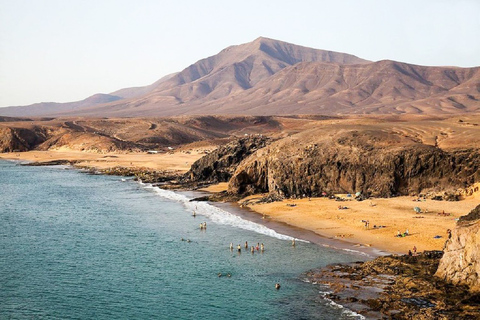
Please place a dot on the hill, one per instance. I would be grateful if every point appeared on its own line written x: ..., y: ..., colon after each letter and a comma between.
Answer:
x: 271, y: 77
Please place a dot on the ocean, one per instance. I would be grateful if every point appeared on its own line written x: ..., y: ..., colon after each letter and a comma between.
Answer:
x: 80, y: 246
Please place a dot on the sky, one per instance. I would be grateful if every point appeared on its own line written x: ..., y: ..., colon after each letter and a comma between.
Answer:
x: 62, y: 51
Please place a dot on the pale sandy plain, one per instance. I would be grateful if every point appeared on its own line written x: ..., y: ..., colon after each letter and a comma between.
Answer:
x: 320, y: 215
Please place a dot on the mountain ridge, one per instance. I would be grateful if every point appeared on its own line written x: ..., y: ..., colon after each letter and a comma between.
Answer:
x: 271, y: 77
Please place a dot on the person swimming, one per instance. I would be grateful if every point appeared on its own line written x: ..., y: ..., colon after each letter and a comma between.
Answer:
x: 253, y: 249
x: 262, y: 247
x: 239, y: 248
x: 231, y: 246
x: 293, y: 242
x: 246, y: 244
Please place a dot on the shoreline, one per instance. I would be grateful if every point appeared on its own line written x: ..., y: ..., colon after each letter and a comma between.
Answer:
x: 317, y: 219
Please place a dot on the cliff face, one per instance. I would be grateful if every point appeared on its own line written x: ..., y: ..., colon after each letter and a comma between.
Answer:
x: 372, y: 162
x: 219, y: 165
x: 20, y: 139
x: 461, y: 259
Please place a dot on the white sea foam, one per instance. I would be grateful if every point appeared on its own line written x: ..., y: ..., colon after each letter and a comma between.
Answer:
x: 217, y: 215
x: 345, y: 311
x: 357, y: 252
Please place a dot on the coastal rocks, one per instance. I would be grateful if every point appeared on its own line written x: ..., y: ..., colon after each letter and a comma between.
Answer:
x: 370, y: 162
x: 397, y: 287
x: 219, y: 165
x: 461, y: 261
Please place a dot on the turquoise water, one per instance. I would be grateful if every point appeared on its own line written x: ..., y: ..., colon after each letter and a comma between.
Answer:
x: 80, y: 246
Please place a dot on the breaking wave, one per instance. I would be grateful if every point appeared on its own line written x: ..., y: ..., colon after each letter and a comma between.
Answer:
x: 217, y: 215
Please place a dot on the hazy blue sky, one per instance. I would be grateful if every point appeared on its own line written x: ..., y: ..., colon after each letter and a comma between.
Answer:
x: 67, y: 50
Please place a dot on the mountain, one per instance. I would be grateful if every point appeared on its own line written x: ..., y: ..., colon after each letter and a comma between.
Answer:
x: 270, y: 77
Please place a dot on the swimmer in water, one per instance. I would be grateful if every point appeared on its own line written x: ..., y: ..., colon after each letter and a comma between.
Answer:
x: 246, y: 245
x: 231, y: 246
x: 293, y: 242
x: 239, y: 248
x: 194, y: 214
x: 253, y: 249
x: 262, y: 247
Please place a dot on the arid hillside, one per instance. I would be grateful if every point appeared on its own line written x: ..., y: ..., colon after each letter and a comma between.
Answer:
x: 124, y: 135
x: 270, y: 77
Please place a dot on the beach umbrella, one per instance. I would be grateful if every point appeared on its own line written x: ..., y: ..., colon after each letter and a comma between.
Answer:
x: 417, y: 209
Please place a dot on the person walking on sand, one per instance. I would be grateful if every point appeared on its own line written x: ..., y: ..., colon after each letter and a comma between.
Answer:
x: 414, y: 250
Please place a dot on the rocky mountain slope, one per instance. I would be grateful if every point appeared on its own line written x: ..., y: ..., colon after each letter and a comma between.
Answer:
x: 460, y: 263
x: 270, y: 77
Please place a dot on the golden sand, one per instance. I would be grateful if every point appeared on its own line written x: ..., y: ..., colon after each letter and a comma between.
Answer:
x: 386, y: 218
x: 175, y: 161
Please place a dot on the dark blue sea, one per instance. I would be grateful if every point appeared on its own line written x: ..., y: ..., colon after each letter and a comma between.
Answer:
x: 80, y: 246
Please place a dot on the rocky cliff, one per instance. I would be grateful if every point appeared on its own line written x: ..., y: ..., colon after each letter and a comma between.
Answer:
x: 219, y: 165
x: 21, y: 139
x: 373, y: 162
x: 461, y: 259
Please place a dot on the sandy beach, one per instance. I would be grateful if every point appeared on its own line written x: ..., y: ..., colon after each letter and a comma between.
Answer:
x: 178, y: 161
x: 386, y: 217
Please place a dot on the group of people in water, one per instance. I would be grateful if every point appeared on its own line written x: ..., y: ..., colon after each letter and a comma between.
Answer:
x: 258, y: 247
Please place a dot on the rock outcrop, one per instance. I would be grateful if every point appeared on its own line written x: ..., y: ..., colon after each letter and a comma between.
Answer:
x: 397, y: 287
x: 377, y: 163
x: 219, y: 165
x: 20, y: 139
x: 461, y: 260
